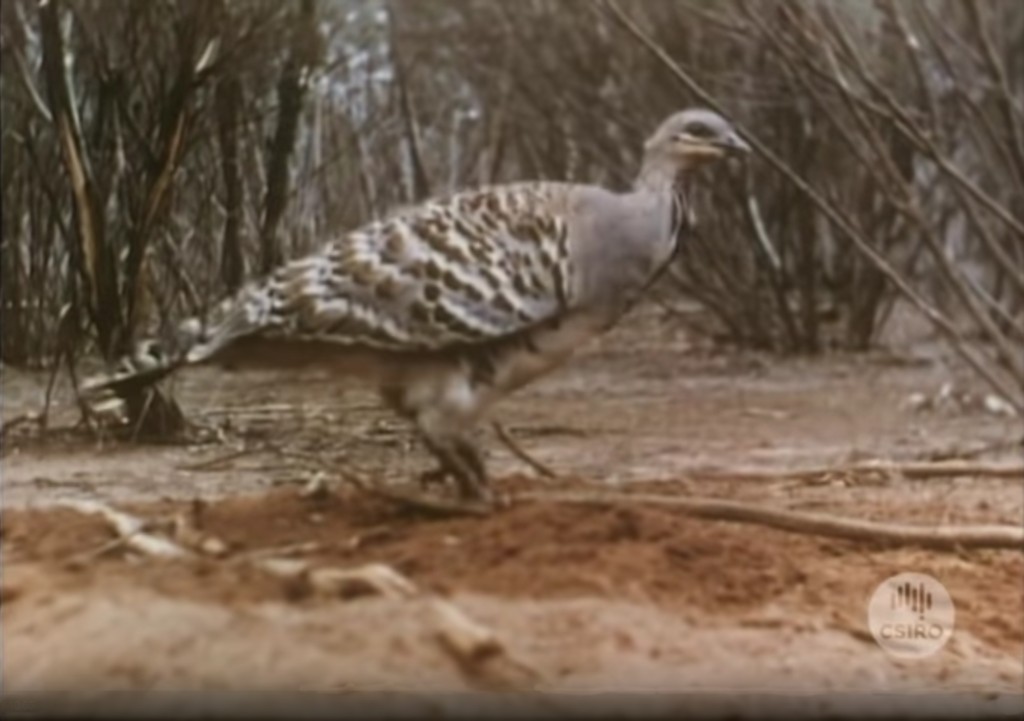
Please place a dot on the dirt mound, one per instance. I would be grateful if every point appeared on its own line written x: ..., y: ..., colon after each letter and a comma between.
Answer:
x: 588, y: 599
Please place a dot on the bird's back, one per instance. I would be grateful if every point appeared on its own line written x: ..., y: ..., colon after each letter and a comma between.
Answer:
x: 476, y: 267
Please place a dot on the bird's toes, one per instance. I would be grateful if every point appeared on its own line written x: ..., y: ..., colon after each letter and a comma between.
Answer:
x: 434, y: 477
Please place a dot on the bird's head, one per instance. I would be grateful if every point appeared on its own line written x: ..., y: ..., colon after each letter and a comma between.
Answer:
x: 692, y: 138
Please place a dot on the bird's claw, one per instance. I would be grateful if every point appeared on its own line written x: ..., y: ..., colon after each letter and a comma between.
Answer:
x: 433, y: 477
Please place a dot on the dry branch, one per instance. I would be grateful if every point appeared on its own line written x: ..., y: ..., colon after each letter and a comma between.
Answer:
x: 304, y: 55
x: 469, y: 641
x: 479, y: 653
x: 505, y: 437
x: 91, y: 250
x: 8, y: 426
x: 938, y: 537
x: 374, y: 578
x: 279, y: 552
x: 215, y: 463
x: 131, y: 529
x: 913, y: 471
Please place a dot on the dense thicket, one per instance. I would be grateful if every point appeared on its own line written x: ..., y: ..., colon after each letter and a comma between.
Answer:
x: 155, y: 153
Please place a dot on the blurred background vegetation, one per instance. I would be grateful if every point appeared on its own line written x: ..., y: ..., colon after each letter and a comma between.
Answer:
x: 157, y: 153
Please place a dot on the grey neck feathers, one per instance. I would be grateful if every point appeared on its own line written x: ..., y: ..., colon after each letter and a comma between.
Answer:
x: 657, y: 175
x: 662, y: 177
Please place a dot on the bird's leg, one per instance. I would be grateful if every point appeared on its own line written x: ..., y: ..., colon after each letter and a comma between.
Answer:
x: 459, y: 458
x: 436, y: 405
x: 472, y: 460
x: 394, y: 398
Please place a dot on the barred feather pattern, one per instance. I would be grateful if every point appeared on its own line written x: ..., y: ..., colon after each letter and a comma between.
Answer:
x: 479, y: 266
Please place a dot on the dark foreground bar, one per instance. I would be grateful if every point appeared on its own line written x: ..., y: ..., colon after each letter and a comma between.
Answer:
x: 298, y: 705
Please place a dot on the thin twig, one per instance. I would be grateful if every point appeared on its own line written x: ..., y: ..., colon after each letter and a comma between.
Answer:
x: 103, y: 549
x: 938, y: 537
x: 505, y: 437
x: 14, y: 423
x: 212, y: 463
x: 285, y: 551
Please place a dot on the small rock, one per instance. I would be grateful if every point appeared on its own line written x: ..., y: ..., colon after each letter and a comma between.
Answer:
x: 213, y: 547
x: 998, y: 406
x: 917, y: 402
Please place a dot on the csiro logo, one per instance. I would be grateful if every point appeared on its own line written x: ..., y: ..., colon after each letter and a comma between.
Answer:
x: 911, y: 615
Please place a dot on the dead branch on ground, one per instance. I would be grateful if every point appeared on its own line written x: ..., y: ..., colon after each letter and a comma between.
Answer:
x: 134, y: 531
x: 213, y: 464
x: 506, y: 438
x: 937, y: 537
x: 14, y: 423
x: 911, y: 471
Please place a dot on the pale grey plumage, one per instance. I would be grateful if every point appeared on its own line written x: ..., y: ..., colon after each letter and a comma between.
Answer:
x: 454, y: 303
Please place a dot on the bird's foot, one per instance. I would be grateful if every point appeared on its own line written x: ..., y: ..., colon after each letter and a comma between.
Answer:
x: 434, y: 477
x: 437, y: 504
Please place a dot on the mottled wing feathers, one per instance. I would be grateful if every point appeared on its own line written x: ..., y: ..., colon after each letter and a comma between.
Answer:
x: 478, y: 266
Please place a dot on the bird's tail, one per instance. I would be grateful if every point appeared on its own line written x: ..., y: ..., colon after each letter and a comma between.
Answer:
x: 194, y: 341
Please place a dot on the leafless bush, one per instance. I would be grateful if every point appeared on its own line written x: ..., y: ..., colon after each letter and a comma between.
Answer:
x: 155, y: 154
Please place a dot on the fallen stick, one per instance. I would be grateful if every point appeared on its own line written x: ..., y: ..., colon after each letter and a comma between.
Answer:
x: 949, y: 469
x: 315, y: 488
x: 912, y: 471
x: 374, y: 578
x: 481, y: 656
x: 10, y: 425
x: 212, y: 463
x: 505, y: 437
x: 962, y: 454
x: 463, y: 637
x: 131, y: 529
x: 278, y: 552
x: 940, y: 537
x: 86, y: 557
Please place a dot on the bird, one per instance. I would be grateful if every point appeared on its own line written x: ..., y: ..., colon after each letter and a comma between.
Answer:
x: 450, y: 305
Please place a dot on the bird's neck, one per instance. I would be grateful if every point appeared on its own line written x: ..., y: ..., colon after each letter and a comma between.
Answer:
x: 668, y: 184
x: 657, y: 175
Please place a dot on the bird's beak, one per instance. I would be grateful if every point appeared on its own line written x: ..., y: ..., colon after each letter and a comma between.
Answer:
x: 734, y: 145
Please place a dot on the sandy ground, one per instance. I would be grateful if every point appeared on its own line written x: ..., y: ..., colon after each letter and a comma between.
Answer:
x: 582, y: 600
